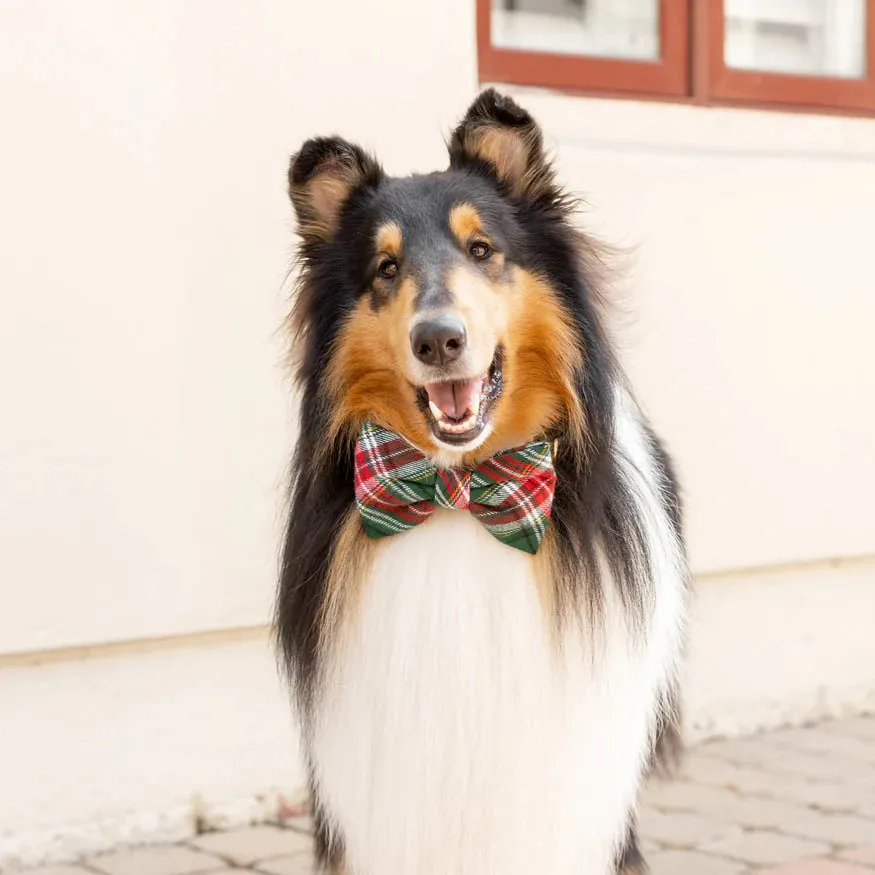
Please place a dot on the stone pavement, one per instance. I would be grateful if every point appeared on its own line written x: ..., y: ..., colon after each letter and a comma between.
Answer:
x: 791, y: 802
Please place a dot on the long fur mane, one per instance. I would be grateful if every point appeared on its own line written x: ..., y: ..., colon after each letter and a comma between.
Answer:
x: 597, y: 533
x: 598, y: 538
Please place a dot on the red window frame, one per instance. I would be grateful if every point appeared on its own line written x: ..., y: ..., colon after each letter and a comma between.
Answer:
x: 728, y: 84
x: 691, y: 67
x: 668, y: 75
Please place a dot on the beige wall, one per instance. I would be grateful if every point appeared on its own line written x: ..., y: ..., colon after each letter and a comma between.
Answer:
x: 753, y: 294
x: 146, y: 237
x: 145, y: 426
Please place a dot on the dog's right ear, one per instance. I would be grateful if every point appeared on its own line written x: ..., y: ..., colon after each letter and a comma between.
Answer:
x: 322, y: 176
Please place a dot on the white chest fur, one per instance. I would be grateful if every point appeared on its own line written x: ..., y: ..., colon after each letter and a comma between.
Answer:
x: 454, y: 736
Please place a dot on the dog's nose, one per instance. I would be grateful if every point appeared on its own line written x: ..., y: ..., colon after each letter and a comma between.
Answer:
x: 438, y: 341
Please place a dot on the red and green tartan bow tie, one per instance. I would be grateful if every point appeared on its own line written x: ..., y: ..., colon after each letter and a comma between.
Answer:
x: 397, y: 488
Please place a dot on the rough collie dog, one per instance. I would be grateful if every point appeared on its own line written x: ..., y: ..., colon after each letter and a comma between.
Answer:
x: 483, y: 582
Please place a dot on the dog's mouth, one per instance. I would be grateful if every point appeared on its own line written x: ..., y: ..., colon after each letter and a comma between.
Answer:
x: 459, y: 411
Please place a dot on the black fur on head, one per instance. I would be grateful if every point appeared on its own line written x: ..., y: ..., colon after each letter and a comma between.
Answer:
x: 339, y: 194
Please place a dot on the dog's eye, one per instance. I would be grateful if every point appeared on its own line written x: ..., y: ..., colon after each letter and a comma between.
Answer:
x: 388, y: 269
x: 479, y: 250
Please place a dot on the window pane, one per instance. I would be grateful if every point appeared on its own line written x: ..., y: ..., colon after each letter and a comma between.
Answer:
x: 599, y: 28
x: 807, y: 37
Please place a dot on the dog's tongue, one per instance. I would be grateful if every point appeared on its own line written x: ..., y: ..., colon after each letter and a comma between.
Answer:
x: 454, y: 398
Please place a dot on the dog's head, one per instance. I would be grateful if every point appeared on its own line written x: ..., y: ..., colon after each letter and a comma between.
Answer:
x: 446, y: 307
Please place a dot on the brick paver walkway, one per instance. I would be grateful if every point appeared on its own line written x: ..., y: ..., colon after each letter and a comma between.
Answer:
x: 792, y: 802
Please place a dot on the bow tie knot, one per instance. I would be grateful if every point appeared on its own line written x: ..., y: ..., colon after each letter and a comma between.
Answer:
x: 452, y: 489
x: 397, y: 488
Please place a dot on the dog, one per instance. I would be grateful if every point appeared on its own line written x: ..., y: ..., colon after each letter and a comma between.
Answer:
x: 483, y: 583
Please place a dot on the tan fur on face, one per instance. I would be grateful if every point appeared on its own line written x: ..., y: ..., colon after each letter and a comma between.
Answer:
x: 482, y: 303
x: 540, y: 349
x: 389, y: 240
x: 541, y: 356
x: 367, y: 379
x: 373, y: 369
x: 467, y: 228
x: 465, y: 223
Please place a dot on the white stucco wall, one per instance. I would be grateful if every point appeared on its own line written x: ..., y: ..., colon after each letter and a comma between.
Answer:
x: 145, y: 428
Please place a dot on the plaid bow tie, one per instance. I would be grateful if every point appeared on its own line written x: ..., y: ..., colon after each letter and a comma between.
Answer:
x: 397, y: 488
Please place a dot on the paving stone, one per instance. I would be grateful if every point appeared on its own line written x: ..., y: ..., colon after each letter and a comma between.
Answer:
x: 156, y: 860
x: 679, y: 829
x: 862, y: 854
x: 764, y: 754
x: 684, y: 796
x: 830, y: 744
x: 817, y: 867
x: 847, y: 770
x: 246, y: 846
x: 858, y: 727
x: 60, y: 870
x: 838, y: 829
x: 828, y: 796
x: 715, y: 772
x: 300, y: 864
x: 691, y: 863
x: 762, y: 848
x: 752, y: 811
x: 749, y: 751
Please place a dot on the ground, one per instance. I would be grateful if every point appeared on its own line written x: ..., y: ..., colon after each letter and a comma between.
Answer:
x: 790, y: 802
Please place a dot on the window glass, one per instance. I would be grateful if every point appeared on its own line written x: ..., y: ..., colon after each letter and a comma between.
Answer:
x: 598, y: 28
x: 803, y: 37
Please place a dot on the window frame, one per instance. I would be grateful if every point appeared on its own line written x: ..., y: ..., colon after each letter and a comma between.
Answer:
x: 766, y: 89
x: 691, y: 68
x: 667, y: 75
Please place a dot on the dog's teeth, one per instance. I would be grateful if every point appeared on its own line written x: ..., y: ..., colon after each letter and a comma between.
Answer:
x: 436, y: 412
x: 458, y: 427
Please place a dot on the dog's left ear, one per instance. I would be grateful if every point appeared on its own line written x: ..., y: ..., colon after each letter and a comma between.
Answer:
x: 499, y: 137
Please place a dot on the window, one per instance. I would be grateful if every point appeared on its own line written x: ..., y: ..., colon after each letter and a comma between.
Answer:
x: 813, y: 54
x: 638, y: 46
x: 794, y: 52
